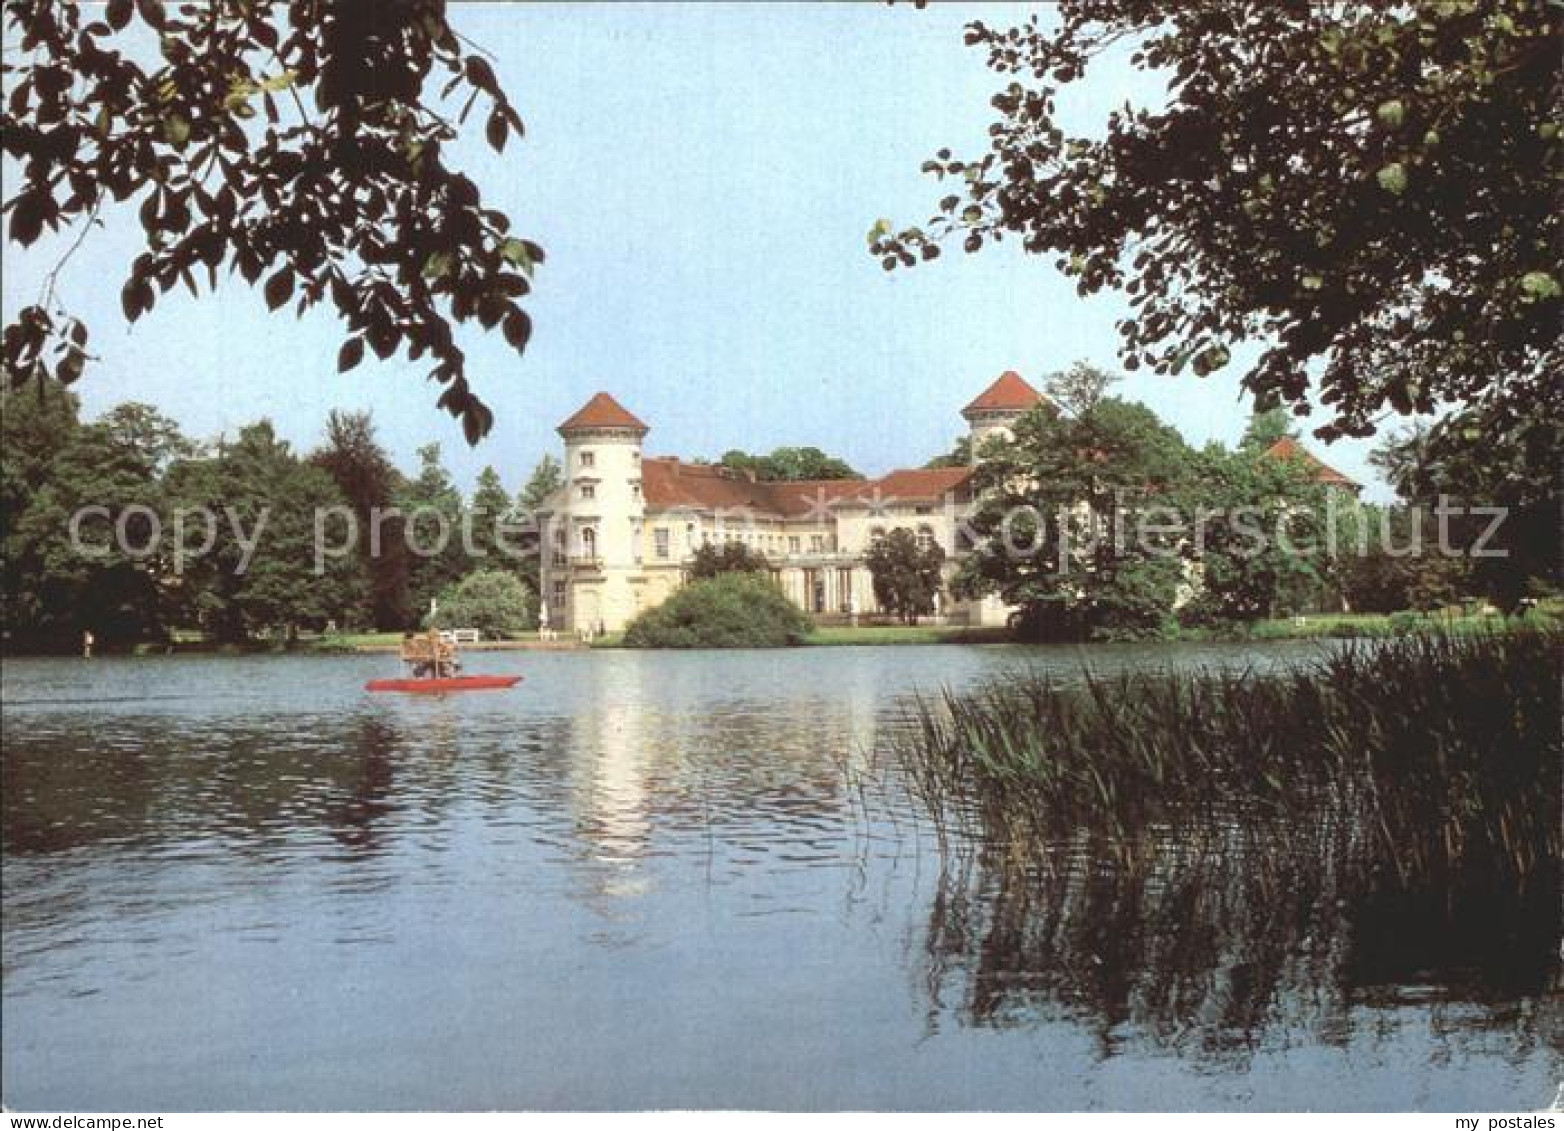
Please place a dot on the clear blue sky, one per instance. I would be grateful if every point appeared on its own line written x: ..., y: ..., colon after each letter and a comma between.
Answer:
x: 702, y: 178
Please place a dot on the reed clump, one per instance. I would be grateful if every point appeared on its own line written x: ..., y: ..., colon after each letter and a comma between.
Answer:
x: 1444, y: 749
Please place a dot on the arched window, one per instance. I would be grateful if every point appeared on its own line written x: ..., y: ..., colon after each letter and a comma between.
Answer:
x: 589, y: 542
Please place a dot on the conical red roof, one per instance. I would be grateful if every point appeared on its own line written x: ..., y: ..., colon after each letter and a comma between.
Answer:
x: 602, y: 411
x: 1288, y: 448
x: 1010, y: 391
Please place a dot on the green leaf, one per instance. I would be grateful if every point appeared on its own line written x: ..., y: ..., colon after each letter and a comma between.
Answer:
x: 1540, y: 284
x: 177, y: 130
x: 1391, y: 114
x: 516, y: 252
x: 1312, y: 282
x: 1393, y: 178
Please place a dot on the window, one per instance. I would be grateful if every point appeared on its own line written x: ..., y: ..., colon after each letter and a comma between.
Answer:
x: 635, y: 489
x: 588, y: 459
x: 635, y: 456
x: 559, y: 547
x: 689, y: 535
x: 923, y: 510
x: 792, y: 544
x: 817, y: 543
x: 660, y: 540
x: 637, y: 536
x: 876, y: 535
x: 559, y: 597
x: 588, y: 542
x: 925, y: 537
x: 588, y: 491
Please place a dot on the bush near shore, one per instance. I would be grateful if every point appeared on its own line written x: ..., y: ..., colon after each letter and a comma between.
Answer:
x: 731, y: 610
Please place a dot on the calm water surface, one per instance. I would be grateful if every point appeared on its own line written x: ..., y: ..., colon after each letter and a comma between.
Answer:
x: 650, y: 881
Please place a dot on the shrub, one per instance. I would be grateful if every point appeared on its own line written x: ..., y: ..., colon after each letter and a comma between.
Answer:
x: 493, y: 601
x: 731, y: 557
x: 733, y: 610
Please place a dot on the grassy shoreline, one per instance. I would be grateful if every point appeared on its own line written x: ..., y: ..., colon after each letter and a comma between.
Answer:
x: 1312, y: 626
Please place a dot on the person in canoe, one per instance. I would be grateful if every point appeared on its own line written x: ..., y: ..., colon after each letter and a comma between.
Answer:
x: 430, y: 656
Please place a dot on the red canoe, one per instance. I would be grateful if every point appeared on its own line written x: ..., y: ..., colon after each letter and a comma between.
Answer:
x: 449, y: 683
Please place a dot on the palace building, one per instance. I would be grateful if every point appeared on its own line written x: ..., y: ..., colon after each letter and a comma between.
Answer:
x: 619, y: 533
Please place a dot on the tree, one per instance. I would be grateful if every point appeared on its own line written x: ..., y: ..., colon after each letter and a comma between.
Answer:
x: 36, y: 424
x: 547, y: 477
x: 1367, y: 190
x: 906, y: 573
x: 259, y: 574
x: 960, y: 454
x: 344, y: 195
x: 494, y: 601
x: 55, y: 588
x: 492, y: 515
x: 1496, y: 461
x: 433, y: 513
x: 710, y: 560
x: 362, y: 470
x: 1261, y: 539
x: 1079, y: 388
x: 1267, y: 428
x: 789, y: 465
x: 1059, y: 531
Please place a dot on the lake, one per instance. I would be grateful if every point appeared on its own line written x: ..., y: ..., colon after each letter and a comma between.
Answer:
x: 669, y: 881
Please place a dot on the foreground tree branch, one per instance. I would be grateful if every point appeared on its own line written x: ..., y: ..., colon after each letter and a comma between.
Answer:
x: 1369, y: 191
x: 350, y: 203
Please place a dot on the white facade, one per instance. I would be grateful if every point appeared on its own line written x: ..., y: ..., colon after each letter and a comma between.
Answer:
x: 617, y: 537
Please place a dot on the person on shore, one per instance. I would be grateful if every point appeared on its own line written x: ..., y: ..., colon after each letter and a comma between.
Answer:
x: 87, y: 641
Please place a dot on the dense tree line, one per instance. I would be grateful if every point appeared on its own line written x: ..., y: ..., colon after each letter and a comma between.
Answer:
x: 126, y: 528
x: 1098, y: 520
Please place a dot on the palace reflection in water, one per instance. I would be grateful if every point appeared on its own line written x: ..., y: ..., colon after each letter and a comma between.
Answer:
x: 647, y: 881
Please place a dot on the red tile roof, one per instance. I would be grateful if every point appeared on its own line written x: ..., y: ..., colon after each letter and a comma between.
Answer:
x: 602, y: 411
x: 668, y: 483
x: 799, y: 498
x: 1288, y: 448
x: 1010, y: 391
x: 923, y: 483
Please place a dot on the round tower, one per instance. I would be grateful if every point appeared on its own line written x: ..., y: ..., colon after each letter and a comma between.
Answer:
x: 603, y: 514
x: 996, y: 409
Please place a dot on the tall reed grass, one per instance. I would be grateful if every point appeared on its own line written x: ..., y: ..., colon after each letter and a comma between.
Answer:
x: 1444, y: 751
